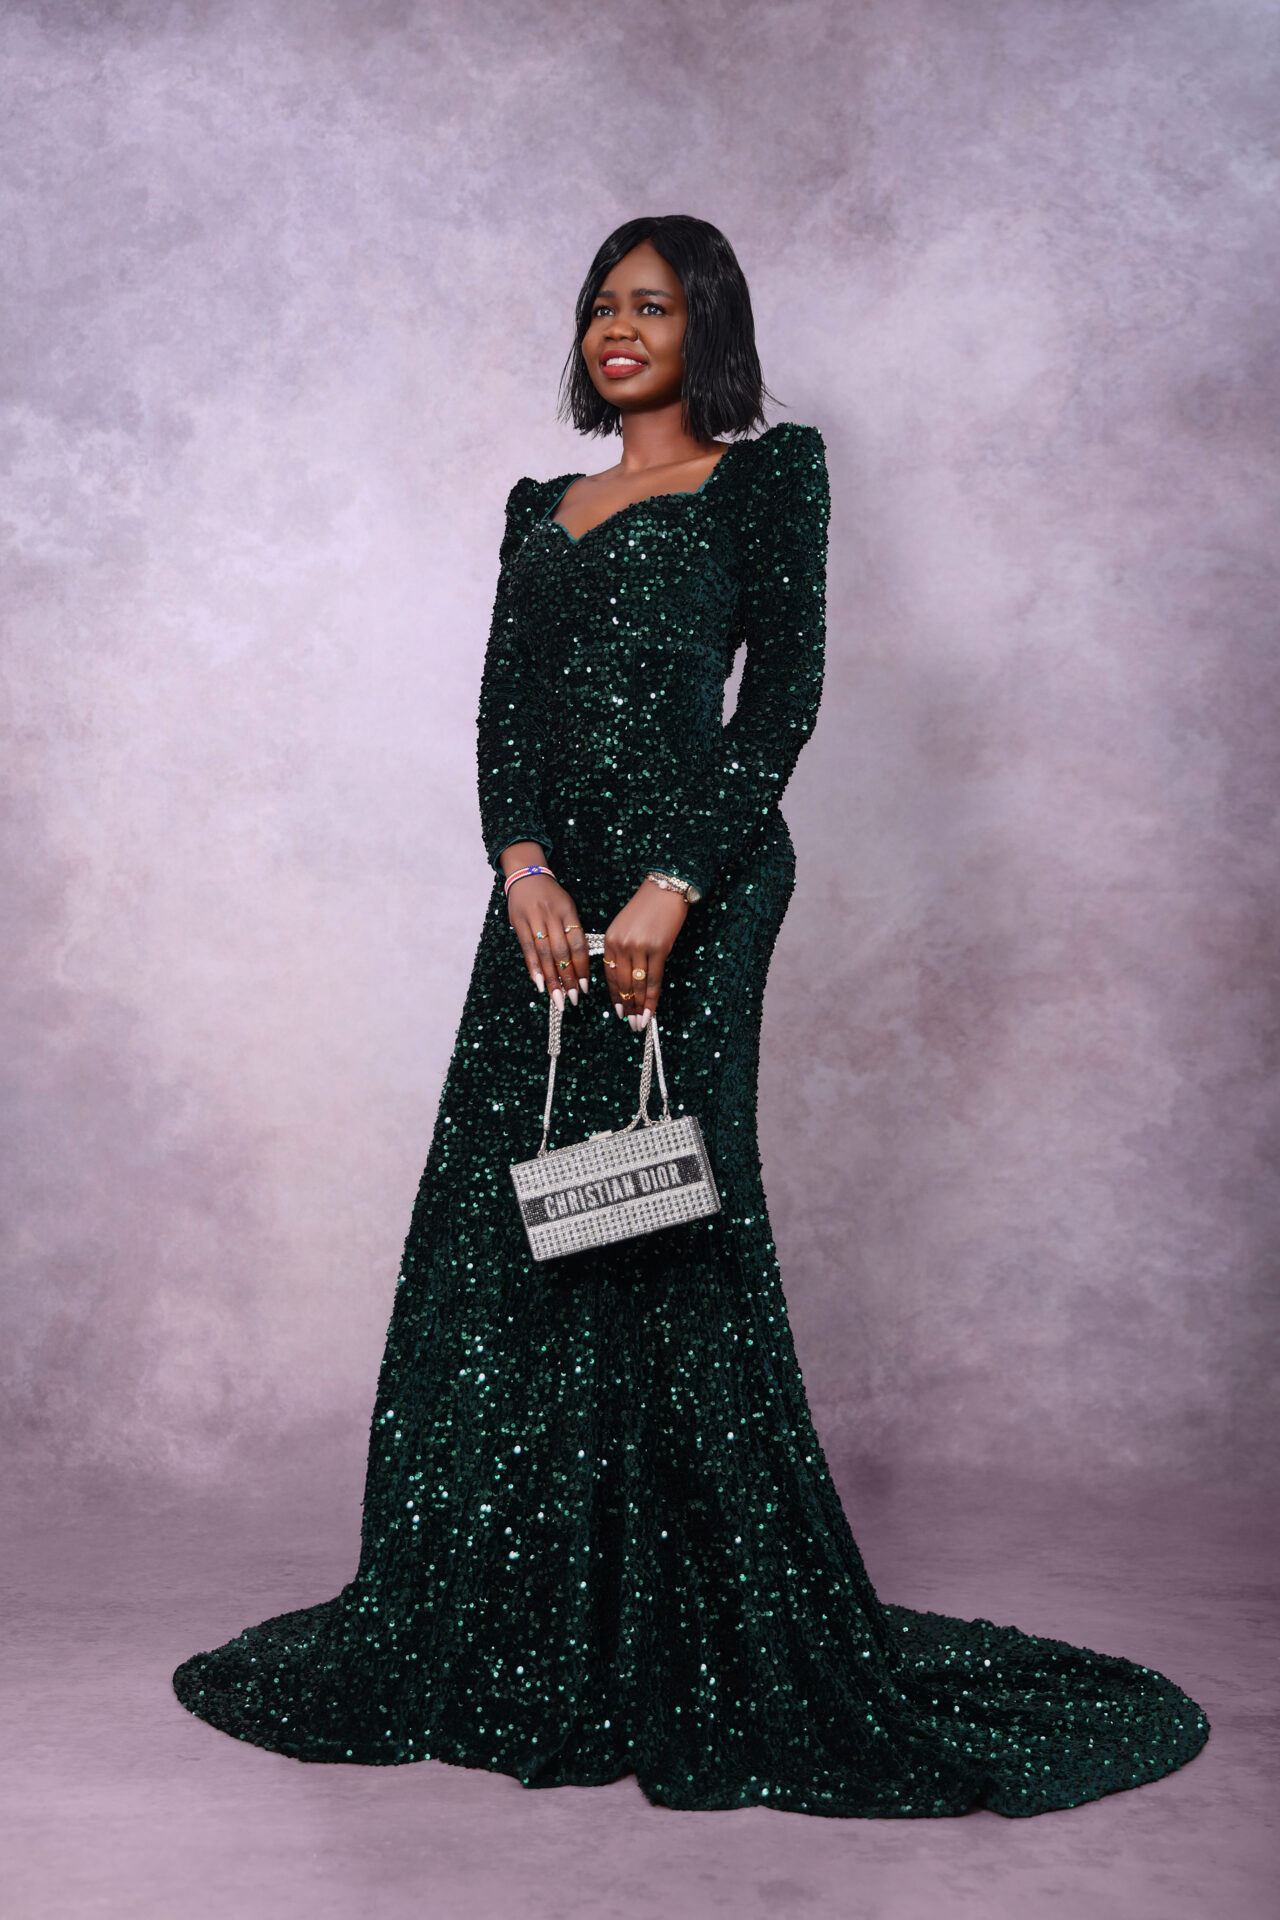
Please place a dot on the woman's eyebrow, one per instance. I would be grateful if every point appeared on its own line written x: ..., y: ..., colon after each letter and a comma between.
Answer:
x: 607, y: 293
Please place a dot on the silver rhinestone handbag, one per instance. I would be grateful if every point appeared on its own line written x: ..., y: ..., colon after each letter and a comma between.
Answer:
x: 614, y: 1186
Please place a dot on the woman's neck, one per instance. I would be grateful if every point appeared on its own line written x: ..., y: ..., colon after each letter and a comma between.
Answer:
x: 656, y: 438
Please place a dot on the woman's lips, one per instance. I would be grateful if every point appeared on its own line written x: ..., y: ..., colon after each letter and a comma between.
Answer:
x: 621, y: 368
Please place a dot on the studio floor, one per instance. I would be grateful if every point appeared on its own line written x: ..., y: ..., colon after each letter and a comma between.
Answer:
x: 116, y: 1803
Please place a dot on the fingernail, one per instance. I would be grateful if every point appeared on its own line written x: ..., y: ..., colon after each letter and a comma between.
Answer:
x: 633, y: 1021
x: 558, y: 996
x: 644, y: 1017
x: 617, y: 1007
x: 573, y: 995
x: 541, y: 983
x: 584, y: 984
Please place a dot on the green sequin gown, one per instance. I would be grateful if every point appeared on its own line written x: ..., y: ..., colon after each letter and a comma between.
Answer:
x: 600, y: 1537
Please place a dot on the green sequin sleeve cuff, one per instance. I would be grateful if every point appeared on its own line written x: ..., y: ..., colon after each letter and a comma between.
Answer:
x: 541, y: 836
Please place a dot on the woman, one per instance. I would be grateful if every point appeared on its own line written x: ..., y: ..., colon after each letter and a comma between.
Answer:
x: 600, y: 1537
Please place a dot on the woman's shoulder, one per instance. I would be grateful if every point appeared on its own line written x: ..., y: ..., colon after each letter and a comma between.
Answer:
x: 789, y: 434
x: 786, y: 456
x: 782, y: 475
x: 528, y: 496
x: 527, y: 502
x: 787, y: 445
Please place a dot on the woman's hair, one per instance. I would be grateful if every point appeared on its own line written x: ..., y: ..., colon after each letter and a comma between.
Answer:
x: 723, y: 389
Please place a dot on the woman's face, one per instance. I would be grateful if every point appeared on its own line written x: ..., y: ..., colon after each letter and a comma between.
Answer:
x: 634, y: 344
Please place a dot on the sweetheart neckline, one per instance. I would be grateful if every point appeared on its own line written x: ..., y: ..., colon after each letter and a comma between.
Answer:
x: 673, y: 493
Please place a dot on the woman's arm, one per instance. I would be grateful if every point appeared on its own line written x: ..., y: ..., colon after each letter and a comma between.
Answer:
x: 510, y: 752
x: 709, y: 825
x: 511, y: 720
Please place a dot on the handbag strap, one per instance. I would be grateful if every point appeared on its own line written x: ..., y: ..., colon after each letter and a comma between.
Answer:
x: 652, y: 1059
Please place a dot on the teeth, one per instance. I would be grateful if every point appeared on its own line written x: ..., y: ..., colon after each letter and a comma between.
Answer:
x: 621, y: 360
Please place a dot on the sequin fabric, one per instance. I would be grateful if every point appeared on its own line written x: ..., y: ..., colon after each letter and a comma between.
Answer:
x: 599, y: 1534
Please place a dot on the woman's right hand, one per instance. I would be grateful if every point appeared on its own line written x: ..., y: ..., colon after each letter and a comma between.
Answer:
x: 538, y: 905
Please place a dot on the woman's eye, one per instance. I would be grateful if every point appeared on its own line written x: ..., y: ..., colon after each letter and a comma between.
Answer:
x: 602, y: 307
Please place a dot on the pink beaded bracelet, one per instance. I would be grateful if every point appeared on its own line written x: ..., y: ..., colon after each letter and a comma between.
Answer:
x: 520, y: 874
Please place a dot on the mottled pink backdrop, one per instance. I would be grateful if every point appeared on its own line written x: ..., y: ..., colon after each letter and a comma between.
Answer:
x: 289, y: 288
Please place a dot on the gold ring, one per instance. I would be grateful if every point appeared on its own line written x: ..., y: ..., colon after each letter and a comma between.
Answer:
x: 562, y: 963
x: 539, y: 936
x: 626, y: 996
x: 575, y: 928
x: 638, y: 973
x: 611, y: 963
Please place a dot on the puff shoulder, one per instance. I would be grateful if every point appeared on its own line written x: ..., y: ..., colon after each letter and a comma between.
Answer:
x: 789, y: 463
x: 524, y: 502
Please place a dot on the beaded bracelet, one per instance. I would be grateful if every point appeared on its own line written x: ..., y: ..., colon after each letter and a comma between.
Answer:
x: 670, y: 883
x: 520, y: 874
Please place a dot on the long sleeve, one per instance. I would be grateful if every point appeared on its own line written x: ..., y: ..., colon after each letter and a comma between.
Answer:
x: 782, y: 620
x: 511, y: 720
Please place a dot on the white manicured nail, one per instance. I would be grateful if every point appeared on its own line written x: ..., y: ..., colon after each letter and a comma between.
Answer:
x: 617, y: 1007
x: 573, y: 995
x: 584, y: 984
x: 540, y: 983
x: 633, y: 1021
x: 557, y: 994
x: 644, y: 1017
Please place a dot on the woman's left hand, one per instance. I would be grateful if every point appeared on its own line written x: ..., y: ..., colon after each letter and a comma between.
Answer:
x: 637, y: 942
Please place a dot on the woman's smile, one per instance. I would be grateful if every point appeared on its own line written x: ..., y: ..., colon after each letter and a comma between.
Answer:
x: 618, y: 365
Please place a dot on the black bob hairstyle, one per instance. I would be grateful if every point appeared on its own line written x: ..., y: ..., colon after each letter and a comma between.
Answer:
x: 723, y: 389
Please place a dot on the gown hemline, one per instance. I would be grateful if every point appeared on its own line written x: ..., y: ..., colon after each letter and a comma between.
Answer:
x: 796, y: 1801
